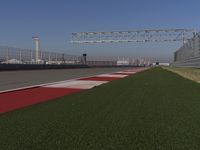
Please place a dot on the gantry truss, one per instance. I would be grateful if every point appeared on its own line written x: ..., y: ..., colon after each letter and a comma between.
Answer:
x: 158, y: 35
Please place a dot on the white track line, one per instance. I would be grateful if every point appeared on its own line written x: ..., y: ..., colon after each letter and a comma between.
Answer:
x: 23, y: 88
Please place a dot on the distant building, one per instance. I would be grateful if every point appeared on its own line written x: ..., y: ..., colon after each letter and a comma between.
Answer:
x: 122, y: 62
x: 161, y: 64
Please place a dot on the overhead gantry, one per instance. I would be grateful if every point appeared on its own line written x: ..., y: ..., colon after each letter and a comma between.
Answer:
x: 157, y: 35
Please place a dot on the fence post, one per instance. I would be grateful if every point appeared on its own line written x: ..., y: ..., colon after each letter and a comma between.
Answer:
x: 49, y: 57
x: 41, y: 55
x: 56, y: 58
x: 20, y: 55
x: 7, y: 55
x: 31, y: 57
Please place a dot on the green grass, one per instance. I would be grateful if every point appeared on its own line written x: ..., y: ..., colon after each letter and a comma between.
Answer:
x: 189, y: 73
x: 152, y: 110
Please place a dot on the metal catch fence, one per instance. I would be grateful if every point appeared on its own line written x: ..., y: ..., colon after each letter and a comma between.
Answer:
x: 10, y: 55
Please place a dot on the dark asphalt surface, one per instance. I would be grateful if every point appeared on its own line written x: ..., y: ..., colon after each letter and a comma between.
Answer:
x: 17, y: 79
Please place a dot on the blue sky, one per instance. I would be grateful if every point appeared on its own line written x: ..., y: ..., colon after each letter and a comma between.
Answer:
x: 55, y: 20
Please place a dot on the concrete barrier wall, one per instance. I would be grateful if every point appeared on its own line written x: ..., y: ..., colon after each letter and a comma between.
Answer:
x: 4, y: 67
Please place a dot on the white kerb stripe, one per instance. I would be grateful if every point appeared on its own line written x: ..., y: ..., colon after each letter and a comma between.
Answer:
x: 126, y: 72
x: 112, y: 75
x: 77, y: 84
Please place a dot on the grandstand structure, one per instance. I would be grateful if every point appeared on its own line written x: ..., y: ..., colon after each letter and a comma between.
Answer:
x: 189, y: 54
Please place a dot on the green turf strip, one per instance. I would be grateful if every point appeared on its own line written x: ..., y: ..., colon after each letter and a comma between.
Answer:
x: 152, y: 110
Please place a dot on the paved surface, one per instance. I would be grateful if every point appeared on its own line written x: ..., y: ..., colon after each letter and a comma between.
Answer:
x: 22, y: 98
x: 17, y: 79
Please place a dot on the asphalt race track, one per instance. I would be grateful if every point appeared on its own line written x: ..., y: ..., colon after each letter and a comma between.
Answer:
x: 17, y: 79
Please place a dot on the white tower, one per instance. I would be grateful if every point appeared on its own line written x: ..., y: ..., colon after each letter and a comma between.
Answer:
x: 37, y: 48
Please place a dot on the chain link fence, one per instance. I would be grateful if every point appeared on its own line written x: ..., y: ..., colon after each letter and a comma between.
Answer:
x: 10, y: 55
x: 189, y: 54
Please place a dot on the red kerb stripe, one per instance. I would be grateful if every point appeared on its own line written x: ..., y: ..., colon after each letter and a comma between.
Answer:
x: 19, y: 99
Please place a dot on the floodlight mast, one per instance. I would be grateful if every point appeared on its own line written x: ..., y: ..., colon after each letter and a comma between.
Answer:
x: 157, y: 35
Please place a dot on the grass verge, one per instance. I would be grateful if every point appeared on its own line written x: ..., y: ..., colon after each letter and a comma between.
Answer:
x: 189, y: 73
x: 155, y: 109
